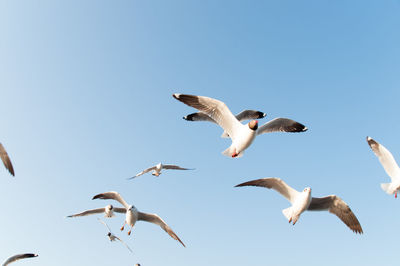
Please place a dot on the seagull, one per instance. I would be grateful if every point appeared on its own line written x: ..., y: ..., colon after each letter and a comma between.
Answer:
x: 390, y: 166
x: 242, y: 135
x: 302, y: 201
x: 157, y: 169
x: 6, y: 160
x: 19, y: 257
x: 242, y: 116
x: 108, y: 212
x: 113, y: 237
x: 133, y: 215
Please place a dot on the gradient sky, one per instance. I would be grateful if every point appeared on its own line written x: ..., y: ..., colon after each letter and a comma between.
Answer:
x: 86, y: 102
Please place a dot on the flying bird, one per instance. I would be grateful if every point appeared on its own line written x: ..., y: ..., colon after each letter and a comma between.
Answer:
x: 108, y: 212
x: 390, y: 166
x: 19, y: 257
x: 113, y: 237
x: 6, y: 160
x: 241, y: 135
x: 133, y: 215
x: 157, y: 169
x: 242, y: 116
x: 302, y: 201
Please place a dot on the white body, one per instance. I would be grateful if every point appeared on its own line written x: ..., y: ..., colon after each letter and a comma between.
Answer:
x: 131, y: 216
x: 108, y: 211
x: 299, y: 205
x: 241, y: 141
x: 157, y: 170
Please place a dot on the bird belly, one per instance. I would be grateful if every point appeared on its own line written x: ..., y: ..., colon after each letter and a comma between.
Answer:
x: 243, y: 141
x: 131, y: 218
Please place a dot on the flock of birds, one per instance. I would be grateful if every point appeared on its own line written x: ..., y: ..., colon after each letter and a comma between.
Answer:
x: 242, y: 136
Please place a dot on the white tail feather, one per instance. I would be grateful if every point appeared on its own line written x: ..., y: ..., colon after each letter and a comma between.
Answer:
x: 225, y: 135
x: 385, y: 187
x: 287, y: 212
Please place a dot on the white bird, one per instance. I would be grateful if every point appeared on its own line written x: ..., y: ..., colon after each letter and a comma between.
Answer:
x: 157, y: 169
x: 241, y: 135
x: 113, y: 237
x: 6, y: 160
x: 108, y: 211
x: 242, y: 116
x: 302, y: 201
x: 133, y: 215
x: 19, y: 257
x: 390, y: 166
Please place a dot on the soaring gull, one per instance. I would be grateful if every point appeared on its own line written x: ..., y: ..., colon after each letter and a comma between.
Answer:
x: 390, y: 166
x: 133, y: 215
x: 108, y: 212
x: 157, y: 169
x: 241, y: 135
x: 302, y: 201
x: 113, y: 237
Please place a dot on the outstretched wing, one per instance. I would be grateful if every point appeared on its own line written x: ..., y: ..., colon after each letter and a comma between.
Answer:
x: 386, y: 158
x: 281, y: 125
x: 250, y: 115
x: 155, y: 219
x: 88, y: 212
x: 112, y: 195
x: 6, y: 160
x: 124, y: 243
x: 19, y: 257
x: 337, y: 206
x: 105, y: 224
x: 216, y: 109
x: 143, y: 172
x: 199, y: 116
x: 276, y: 184
x: 174, y: 167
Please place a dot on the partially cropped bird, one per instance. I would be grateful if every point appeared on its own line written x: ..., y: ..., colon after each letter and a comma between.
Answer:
x: 241, y: 135
x: 6, y: 160
x: 133, y: 215
x: 19, y: 257
x: 113, y: 237
x: 390, y: 166
x: 302, y: 201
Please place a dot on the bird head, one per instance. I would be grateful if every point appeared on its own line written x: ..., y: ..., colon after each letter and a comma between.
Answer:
x: 253, y: 124
x: 307, y: 190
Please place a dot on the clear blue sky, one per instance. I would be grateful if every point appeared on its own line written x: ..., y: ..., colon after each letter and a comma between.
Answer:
x: 86, y: 102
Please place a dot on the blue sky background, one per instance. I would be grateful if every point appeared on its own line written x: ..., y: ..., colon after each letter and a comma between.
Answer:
x: 86, y: 103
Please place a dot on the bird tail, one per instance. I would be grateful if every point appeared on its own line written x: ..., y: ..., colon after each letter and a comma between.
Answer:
x: 231, y: 150
x: 385, y: 187
x: 287, y: 212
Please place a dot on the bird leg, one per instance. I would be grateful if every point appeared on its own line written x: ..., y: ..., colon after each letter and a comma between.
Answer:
x: 129, y: 232
x: 290, y: 219
x: 235, y: 154
x: 122, y: 228
x: 395, y: 194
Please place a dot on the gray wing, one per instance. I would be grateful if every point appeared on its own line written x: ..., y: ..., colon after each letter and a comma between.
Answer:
x: 276, y: 184
x: 6, y: 160
x: 174, y: 167
x: 199, y: 116
x: 155, y: 219
x: 216, y: 109
x: 124, y: 244
x: 18, y: 257
x: 250, y: 115
x: 114, y: 196
x: 281, y: 125
x: 88, y: 212
x: 337, y: 206
x: 143, y: 172
x: 386, y: 158
x: 119, y: 210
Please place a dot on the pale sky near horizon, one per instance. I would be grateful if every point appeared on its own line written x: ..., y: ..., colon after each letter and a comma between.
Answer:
x: 86, y: 102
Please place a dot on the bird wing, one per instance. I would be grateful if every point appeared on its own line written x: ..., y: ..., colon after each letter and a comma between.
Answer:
x: 105, y: 224
x: 199, y: 116
x: 88, y: 212
x: 276, y: 184
x: 386, y: 158
x: 6, y: 160
x: 112, y: 195
x: 216, y: 109
x: 143, y: 172
x: 119, y: 210
x: 123, y: 243
x: 337, y: 206
x: 155, y: 219
x: 175, y: 167
x: 18, y: 257
x: 249, y: 115
x: 281, y: 125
